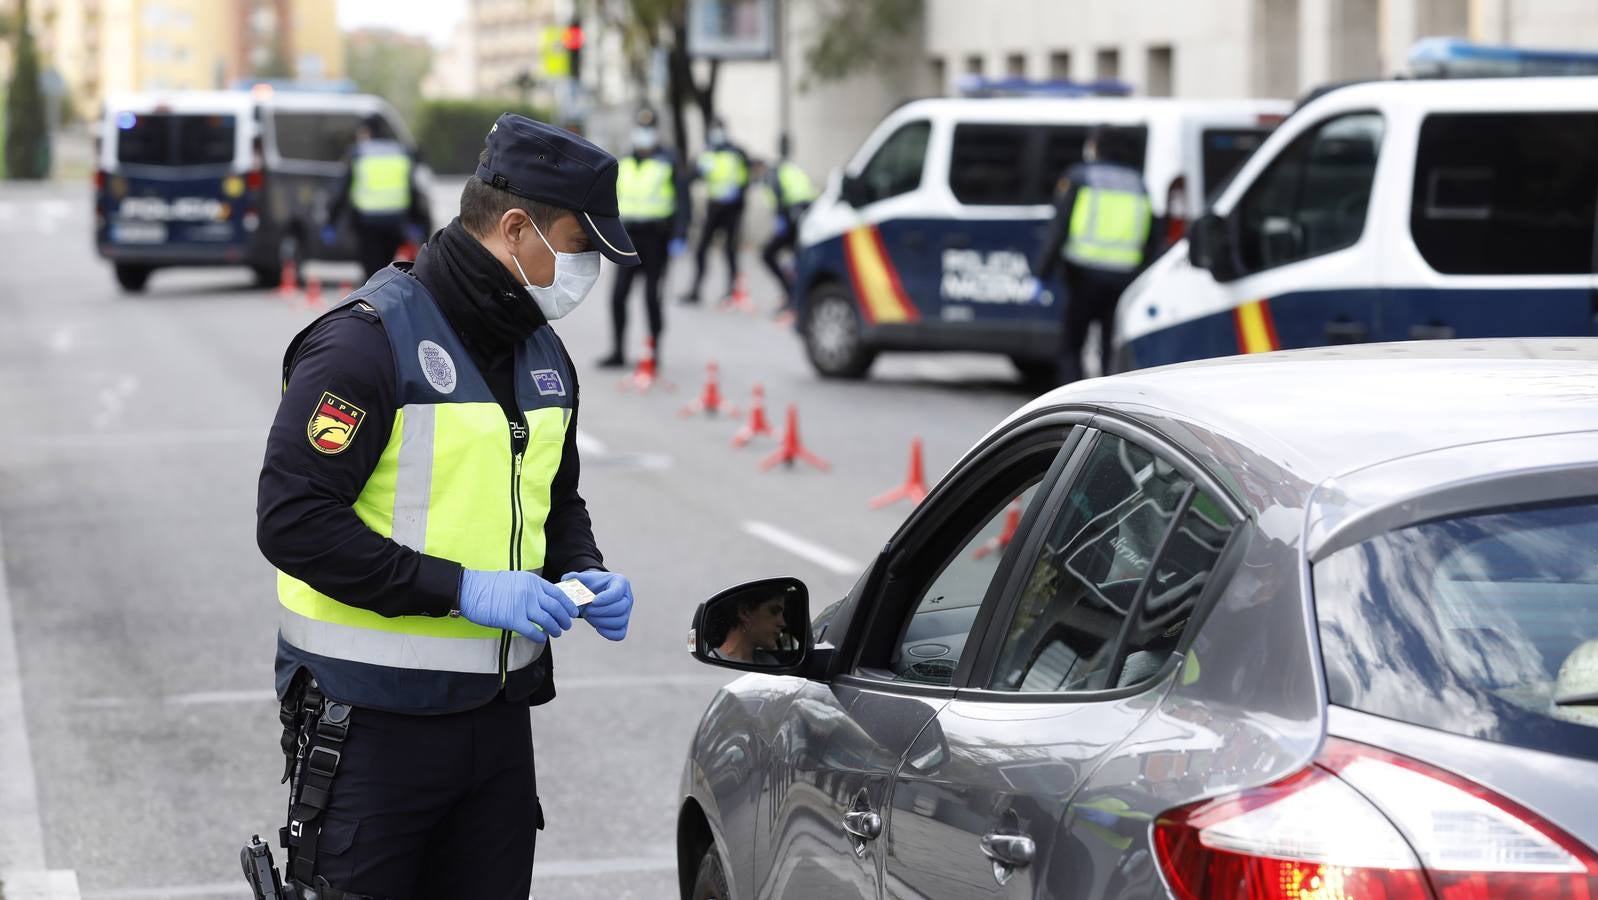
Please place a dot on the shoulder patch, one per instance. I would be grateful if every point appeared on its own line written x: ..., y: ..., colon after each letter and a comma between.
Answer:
x: 333, y: 424
x: 437, y: 366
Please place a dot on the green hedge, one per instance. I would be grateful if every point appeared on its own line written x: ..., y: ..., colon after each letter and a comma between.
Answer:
x: 450, y: 132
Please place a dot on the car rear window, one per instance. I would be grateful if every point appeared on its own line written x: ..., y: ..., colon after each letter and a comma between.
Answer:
x: 1506, y: 193
x: 170, y: 139
x: 320, y: 136
x: 1483, y: 625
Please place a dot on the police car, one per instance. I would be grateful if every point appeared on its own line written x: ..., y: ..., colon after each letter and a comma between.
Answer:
x: 925, y: 241
x: 1393, y: 210
x: 225, y: 178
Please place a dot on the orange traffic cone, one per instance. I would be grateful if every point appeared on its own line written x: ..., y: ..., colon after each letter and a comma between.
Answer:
x: 313, y: 293
x: 710, y: 401
x: 757, y: 424
x: 406, y: 252
x: 914, y: 488
x: 289, y: 284
x: 738, y: 300
x: 995, y: 544
x: 792, y: 450
x: 643, y: 377
x: 345, y: 289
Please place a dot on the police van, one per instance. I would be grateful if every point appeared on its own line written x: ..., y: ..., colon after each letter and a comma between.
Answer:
x: 226, y: 178
x: 925, y: 240
x: 1391, y: 210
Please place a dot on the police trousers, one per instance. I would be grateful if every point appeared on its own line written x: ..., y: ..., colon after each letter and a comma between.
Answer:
x: 434, y: 807
x: 1091, y: 296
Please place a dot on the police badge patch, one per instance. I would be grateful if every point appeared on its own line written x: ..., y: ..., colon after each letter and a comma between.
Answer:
x: 333, y: 424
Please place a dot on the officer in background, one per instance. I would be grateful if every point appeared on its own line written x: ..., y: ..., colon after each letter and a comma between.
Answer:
x: 1102, y: 233
x: 379, y: 193
x: 724, y: 169
x: 417, y: 602
x: 652, y: 195
x: 791, y: 191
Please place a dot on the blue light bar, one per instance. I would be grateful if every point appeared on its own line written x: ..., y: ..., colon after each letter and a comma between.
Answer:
x: 978, y: 86
x: 1455, y: 58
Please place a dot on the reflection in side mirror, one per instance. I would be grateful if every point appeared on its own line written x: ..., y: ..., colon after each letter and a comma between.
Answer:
x: 1206, y: 243
x: 762, y: 626
x: 853, y: 191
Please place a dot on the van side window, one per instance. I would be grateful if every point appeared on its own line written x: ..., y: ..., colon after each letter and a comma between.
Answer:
x: 1313, y: 198
x: 1506, y: 193
x: 321, y: 136
x: 896, y: 167
x: 988, y: 166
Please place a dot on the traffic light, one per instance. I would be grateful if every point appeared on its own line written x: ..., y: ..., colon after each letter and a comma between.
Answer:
x: 572, y: 39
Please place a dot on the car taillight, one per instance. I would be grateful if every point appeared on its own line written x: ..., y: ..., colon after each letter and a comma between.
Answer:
x: 1364, y: 823
x: 1176, y: 214
x: 254, y: 179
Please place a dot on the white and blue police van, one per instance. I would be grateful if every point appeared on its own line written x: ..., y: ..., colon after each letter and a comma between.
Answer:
x: 226, y: 178
x: 926, y: 238
x: 1389, y: 211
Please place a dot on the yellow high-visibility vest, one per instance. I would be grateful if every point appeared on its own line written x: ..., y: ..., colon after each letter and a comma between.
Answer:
x: 381, y: 181
x: 644, y: 189
x: 1109, y: 227
x: 725, y: 173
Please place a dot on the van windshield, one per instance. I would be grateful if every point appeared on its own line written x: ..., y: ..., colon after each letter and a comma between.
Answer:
x: 1484, y: 625
x: 321, y: 136
x: 174, y: 139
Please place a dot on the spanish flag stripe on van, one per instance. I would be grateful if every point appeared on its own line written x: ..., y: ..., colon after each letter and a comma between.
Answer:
x: 1256, y: 333
x: 876, y: 284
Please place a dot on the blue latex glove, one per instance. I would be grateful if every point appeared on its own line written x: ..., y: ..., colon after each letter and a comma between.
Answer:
x: 1037, y: 290
x: 781, y: 228
x: 612, y: 605
x: 329, y: 235
x: 516, y: 601
x: 674, y: 250
x: 414, y: 234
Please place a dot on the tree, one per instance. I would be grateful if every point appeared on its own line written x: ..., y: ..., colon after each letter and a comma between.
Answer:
x: 390, y: 65
x: 853, y: 37
x: 27, y: 137
x: 651, y: 25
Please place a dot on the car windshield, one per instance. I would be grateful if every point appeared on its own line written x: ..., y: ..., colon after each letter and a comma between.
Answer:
x: 168, y: 139
x: 1484, y: 625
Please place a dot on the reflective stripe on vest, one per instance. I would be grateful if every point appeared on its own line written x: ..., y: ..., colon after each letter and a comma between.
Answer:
x: 644, y: 189
x: 725, y: 173
x: 447, y: 484
x: 381, y: 183
x: 795, y: 185
x: 1108, y: 228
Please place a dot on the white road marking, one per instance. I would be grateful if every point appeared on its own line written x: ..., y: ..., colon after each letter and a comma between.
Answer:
x: 21, y: 830
x: 798, y: 546
x: 588, y: 444
x: 211, y: 698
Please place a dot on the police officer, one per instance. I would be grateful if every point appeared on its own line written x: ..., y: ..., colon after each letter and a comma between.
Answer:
x: 791, y: 191
x: 724, y: 169
x: 649, y: 184
x: 379, y: 191
x: 1102, y: 233
x: 419, y: 498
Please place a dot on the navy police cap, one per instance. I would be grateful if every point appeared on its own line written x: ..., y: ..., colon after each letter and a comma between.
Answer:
x: 551, y: 165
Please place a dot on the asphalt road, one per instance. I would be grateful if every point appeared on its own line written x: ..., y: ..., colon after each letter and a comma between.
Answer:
x: 141, y: 616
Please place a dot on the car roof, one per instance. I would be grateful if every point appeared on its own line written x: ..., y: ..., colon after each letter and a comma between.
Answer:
x: 1330, y: 412
x: 1110, y: 110
x: 1487, y: 94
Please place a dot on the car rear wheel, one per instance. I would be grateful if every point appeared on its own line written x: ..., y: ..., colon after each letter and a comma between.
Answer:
x: 711, y: 882
x: 133, y: 278
x: 832, y: 331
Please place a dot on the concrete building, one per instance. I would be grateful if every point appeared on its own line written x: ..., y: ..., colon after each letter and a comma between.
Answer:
x: 1217, y: 48
x: 508, y: 40
x: 453, y: 73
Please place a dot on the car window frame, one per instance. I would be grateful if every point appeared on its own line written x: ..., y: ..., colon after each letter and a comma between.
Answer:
x: 1234, y: 216
x: 991, y: 643
x: 876, y: 153
x: 884, y: 616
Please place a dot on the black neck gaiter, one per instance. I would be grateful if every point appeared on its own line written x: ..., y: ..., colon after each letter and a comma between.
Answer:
x: 488, y: 307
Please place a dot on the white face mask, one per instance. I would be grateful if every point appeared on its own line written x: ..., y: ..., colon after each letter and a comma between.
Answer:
x: 575, y: 274
x: 645, y: 139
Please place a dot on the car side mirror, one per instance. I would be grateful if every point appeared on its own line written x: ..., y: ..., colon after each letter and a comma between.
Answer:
x: 1208, y: 246
x: 761, y: 626
x: 853, y: 191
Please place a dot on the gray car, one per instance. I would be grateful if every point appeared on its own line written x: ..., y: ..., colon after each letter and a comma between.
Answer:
x: 1321, y: 623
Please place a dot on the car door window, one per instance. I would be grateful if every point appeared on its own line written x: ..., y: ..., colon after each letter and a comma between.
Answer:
x: 896, y: 166
x: 1096, y: 556
x: 1313, y: 198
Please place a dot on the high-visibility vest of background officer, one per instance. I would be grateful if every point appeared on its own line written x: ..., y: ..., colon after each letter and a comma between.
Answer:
x: 1110, y: 218
x: 795, y: 190
x: 725, y: 171
x: 645, y: 189
x: 380, y: 179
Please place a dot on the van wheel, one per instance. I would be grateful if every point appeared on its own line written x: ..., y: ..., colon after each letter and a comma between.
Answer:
x: 133, y: 278
x: 832, y: 334
x: 711, y: 882
x: 1038, y: 375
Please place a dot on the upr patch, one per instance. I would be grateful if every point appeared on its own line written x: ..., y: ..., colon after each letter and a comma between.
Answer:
x: 333, y: 424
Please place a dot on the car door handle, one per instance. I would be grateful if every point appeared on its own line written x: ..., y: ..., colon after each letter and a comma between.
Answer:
x: 913, y: 238
x: 1343, y: 331
x: 957, y: 240
x: 863, y: 824
x: 1012, y: 850
x: 1436, y: 331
